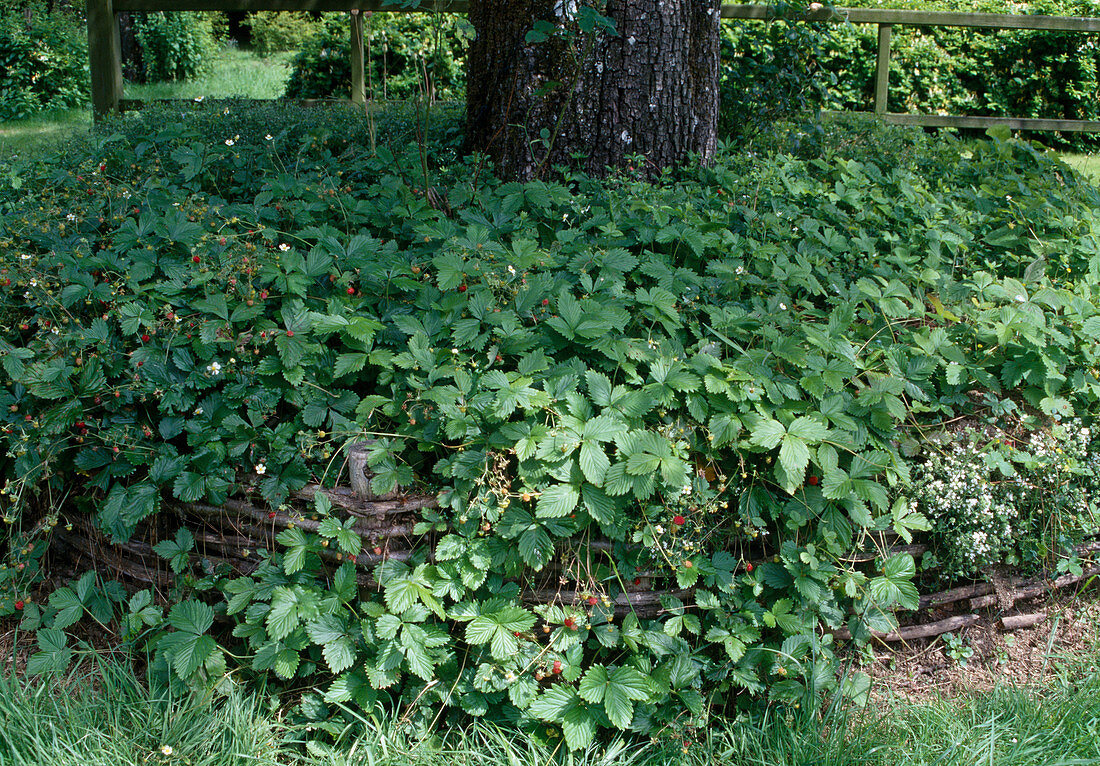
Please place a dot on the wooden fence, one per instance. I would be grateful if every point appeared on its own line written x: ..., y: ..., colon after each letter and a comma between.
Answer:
x: 106, y: 59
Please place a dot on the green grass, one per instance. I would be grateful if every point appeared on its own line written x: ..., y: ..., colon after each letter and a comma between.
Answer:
x: 103, y: 716
x: 234, y: 73
x: 42, y: 130
x: 1089, y: 164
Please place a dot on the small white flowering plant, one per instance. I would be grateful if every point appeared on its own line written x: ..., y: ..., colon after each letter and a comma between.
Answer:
x: 996, y: 500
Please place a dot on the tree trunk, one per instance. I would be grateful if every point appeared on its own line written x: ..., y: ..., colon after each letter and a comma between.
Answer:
x: 649, y: 89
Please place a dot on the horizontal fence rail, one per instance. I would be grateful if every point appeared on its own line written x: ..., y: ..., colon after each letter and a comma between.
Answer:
x: 106, y: 61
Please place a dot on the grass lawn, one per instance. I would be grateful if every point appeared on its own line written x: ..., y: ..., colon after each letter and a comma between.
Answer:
x: 234, y: 73
x: 1089, y: 164
x: 106, y: 717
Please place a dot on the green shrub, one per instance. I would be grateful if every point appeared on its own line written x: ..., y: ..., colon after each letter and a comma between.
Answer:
x: 770, y: 73
x: 942, y: 70
x: 43, y: 61
x: 999, y: 501
x: 716, y: 375
x: 175, y: 46
x: 274, y: 31
x: 399, y: 44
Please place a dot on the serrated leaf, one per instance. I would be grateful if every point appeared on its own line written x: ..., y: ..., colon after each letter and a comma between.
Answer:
x: 339, y: 654
x: 579, y: 728
x: 593, y: 462
x: 557, y: 501
x: 768, y: 434
x: 552, y: 705
x: 794, y: 456
x: 191, y: 617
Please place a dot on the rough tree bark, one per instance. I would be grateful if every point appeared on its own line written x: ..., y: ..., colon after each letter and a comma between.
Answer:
x: 649, y: 90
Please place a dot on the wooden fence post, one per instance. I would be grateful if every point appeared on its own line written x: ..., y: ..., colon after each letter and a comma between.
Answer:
x: 358, y: 79
x: 882, y: 68
x: 104, y: 57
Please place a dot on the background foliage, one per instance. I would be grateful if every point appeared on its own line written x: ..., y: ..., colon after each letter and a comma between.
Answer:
x: 933, y: 70
x: 43, y: 60
x: 403, y: 48
x: 174, y: 46
x: 273, y: 31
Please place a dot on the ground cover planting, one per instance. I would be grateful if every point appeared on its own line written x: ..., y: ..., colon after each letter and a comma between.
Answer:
x: 716, y: 385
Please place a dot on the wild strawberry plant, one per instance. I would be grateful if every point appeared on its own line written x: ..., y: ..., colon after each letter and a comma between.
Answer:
x: 703, y: 385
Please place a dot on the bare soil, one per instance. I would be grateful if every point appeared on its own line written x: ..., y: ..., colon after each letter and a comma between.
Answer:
x: 1063, y: 646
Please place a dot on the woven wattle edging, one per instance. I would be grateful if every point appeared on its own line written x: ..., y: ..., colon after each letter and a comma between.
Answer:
x: 982, y: 595
x: 231, y: 533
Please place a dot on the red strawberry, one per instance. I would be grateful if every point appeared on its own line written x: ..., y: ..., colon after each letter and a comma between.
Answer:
x: 748, y: 567
x: 570, y: 623
x: 462, y: 288
x: 813, y: 480
x: 195, y: 259
x: 290, y: 333
x: 351, y: 291
x: 271, y: 514
x: 678, y: 520
x: 688, y: 564
x: 557, y: 666
x: 144, y: 338
x: 637, y: 580
x: 19, y: 605
x: 545, y: 301
x: 591, y: 600
x: 377, y: 551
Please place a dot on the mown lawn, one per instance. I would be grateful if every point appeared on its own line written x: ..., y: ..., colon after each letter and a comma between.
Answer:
x: 1089, y: 164
x: 235, y: 73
